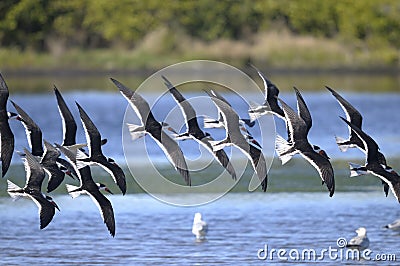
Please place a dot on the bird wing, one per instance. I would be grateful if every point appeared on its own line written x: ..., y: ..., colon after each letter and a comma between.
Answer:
x: 116, y: 173
x: 7, y: 146
x: 324, y: 168
x: 33, y: 132
x: 187, y: 109
x: 259, y: 165
x: 93, y: 136
x: 68, y: 122
x: 370, y: 146
x: 174, y: 154
x: 105, y: 208
x: 34, y: 171
x: 302, y: 109
x: 295, y: 124
x: 352, y: 114
x: 4, y: 93
x: 46, y: 209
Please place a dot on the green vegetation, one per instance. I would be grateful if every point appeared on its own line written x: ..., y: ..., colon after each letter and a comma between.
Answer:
x: 101, y: 34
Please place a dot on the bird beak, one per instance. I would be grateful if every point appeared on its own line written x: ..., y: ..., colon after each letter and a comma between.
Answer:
x: 55, y: 205
x: 68, y: 173
x: 109, y: 191
x: 18, y: 118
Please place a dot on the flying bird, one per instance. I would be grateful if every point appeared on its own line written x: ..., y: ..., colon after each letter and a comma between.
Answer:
x: 209, y: 122
x: 234, y: 137
x: 96, y: 155
x: 354, y: 117
x: 270, y: 105
x: 32, y: 130
x: 51, y: 166
x: 373, y: 165
x: 34, y: 179
x: 193, y: 129
x: 298, y: 131
x: 154, y: 128
x: 89, y: 187
x: 6, y: 135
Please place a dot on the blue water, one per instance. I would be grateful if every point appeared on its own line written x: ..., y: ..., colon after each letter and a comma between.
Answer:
x: 154, y: 233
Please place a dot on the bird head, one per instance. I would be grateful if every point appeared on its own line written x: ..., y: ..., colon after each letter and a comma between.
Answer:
x: 12, y: 115
x: 101, y: 186
x: 321, y: 152
x: 111, y: 160
x: 362, y: 231
x: 197, y: 216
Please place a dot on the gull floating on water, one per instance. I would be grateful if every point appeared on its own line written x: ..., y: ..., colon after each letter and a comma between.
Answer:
x: 394, y: 225
x: 199, y: 228
x: 360, y: 241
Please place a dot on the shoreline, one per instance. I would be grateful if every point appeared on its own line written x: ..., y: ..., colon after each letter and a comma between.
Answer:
x: 73, y: 72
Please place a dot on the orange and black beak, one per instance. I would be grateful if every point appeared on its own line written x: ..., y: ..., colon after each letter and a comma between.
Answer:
x: 55, y: 205
x: 109, y: 191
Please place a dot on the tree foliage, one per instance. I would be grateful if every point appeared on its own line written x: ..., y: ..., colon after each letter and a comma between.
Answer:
x: 102, y: 23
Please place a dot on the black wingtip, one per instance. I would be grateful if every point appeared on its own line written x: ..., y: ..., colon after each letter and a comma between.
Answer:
x: 167, y: 82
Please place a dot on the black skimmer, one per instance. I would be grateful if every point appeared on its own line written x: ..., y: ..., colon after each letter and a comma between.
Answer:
x: 48, y: 157
x: 209, y: 122
x: 51, y: 166
x: 234, y: 137
x: 34, y: 179
x: 373, y: 164
x: 89, y: 187
x: 298, y: 131
x: 270, y: 104
x: 69, y: 133
x: 6, y: 135
x: 354, y: 117
x: 96, y: 155
x: 360, y: 241
x: 154, y: 128
x: 194, y: 131
x: 32, y: 130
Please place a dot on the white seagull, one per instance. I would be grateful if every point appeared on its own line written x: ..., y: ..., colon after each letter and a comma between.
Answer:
x: 199, y: 228
x: 360, y: 241
x: 394, y: 225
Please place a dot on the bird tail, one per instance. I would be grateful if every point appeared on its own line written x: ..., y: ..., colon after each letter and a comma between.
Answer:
x: 356, y: 170
x: 77, y: 146
x: 254, y: 111
x: 73, y: 191
x: 341, y: 143
x: 284, y: 149
x: 11, y: 187
x: 136, y: 131
x: 218, y: 144
x: 209, y: 122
